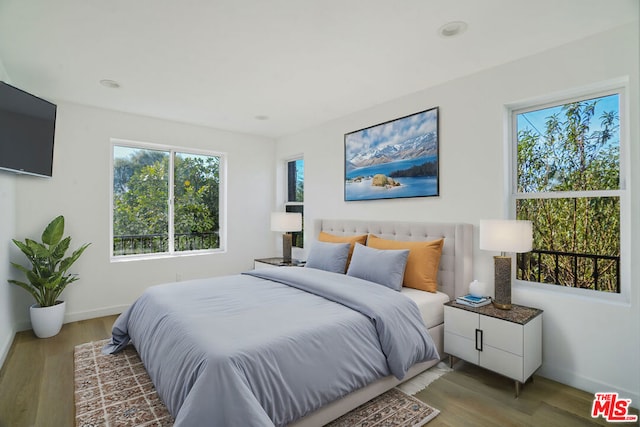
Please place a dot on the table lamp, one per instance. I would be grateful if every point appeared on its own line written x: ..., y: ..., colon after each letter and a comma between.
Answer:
x: 286, y: 222
x: 505, y: 236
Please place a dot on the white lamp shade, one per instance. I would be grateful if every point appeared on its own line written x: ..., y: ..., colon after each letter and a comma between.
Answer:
x: 506, y: 235
x: 286, y: 221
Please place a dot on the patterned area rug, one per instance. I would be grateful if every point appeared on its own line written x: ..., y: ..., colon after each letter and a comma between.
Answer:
x: 116, y: 391
x: 393, y: 408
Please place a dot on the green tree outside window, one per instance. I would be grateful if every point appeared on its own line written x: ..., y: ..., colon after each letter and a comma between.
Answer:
x: 141, y: 201
x: 567, y: 182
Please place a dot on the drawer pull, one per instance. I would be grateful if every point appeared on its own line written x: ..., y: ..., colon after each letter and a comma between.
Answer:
x: 479, y: 339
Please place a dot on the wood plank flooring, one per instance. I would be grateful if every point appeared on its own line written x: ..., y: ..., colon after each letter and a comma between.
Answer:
x: 472, y: 396
x: 36, y: 380
x: 36, y: 389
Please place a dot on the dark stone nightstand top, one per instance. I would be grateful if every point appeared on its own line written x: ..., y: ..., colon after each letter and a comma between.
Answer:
x: 518, y: 314
x: 279, y: 261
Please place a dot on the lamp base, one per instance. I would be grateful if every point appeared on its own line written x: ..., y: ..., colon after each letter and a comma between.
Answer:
x: 502, y: 282
x: 501, y: 306
x: 286, y: 248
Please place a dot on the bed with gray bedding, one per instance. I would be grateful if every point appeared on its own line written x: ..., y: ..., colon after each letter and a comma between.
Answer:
x: 271, y: 346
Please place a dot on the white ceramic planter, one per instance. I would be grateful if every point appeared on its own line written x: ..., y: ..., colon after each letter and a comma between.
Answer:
x: 47, y: 321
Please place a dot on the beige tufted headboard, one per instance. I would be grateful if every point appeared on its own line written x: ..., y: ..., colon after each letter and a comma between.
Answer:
x: 456, y: 263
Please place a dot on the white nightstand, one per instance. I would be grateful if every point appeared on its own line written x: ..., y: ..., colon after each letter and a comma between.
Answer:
x: 276, y: 262
x: 508, y: 342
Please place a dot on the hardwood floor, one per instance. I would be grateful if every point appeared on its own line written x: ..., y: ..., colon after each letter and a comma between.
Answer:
x: 36, y: 389
x: 36, y: 380
x: 473, y: 396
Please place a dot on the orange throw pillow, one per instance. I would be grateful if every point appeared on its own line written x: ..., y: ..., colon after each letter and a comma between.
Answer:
x: 423, y: 262
x: 326, y: 237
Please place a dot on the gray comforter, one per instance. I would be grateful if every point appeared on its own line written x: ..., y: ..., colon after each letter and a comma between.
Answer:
x: 245, y: 351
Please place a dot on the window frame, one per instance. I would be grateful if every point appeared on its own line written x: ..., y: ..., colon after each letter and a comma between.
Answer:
x: 171, y: 150
x: 619, y: 87
x: 287, y: 203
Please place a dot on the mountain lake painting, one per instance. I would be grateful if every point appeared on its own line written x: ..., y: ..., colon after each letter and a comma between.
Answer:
x: 395, y: 159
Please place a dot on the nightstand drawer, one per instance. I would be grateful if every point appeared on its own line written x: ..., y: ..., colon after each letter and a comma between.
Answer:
x: 503, y: 335
x: 460, y: 322
x: 461, y: 347
x: 506, y: 363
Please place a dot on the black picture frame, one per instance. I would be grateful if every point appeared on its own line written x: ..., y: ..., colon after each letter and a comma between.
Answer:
x: 395, y: 159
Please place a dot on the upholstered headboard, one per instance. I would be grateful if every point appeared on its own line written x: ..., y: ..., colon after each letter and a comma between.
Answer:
x: 456, y: 263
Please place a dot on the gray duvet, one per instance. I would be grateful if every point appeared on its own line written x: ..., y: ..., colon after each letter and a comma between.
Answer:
x: 269, y: 346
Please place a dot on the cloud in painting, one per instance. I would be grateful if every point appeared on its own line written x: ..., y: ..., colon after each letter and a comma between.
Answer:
x: 367, y: 142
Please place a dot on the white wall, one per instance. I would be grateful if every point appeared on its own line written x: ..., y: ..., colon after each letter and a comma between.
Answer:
x: 7, y: 231
x: 80, y: 190
x: 587, y: 343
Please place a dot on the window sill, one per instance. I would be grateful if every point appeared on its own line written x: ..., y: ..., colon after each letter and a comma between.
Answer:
x: 164, y: 255
x: 589, y: 296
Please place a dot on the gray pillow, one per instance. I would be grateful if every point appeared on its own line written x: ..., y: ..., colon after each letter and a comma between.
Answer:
x: 385, y: 267
x: 328, y: 256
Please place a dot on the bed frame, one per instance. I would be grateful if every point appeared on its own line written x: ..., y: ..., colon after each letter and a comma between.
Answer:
x: 454, y: 276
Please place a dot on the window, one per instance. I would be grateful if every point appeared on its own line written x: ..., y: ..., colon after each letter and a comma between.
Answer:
x: 568, y: 183
x: 165, y: 201
x: 295, y: 195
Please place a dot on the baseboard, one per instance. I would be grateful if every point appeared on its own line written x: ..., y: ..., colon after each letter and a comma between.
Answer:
x: 92, y: 314
x: 6, y: 346
x: 25, y: 325
x: 588, y: 384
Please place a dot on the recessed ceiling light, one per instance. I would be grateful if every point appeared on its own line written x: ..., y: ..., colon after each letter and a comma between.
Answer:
x: 111, y: 84
x: 452, y: 29
x: 261, y: 117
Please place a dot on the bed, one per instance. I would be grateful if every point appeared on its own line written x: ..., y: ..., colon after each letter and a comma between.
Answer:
x: 314, y: 344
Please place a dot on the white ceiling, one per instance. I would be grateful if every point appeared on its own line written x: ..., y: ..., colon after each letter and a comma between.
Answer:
x: 222, y: 63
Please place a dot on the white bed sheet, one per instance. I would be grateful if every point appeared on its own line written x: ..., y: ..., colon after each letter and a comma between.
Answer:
x: 431, y: 304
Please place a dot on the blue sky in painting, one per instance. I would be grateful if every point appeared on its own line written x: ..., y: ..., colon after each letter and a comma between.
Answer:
x: 390, y: 133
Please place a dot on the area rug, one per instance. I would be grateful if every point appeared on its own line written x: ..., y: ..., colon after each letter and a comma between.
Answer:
x: 116, y: 391
x: 393, y: 408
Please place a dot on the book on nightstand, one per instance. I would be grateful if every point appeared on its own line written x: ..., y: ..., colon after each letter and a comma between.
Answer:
x: 472, y: 301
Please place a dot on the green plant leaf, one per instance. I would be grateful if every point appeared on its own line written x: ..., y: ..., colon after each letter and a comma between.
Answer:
x: 67, y: 262
x: 29, y: 289
x: 63, y: 283
x: 39, y: 250
x: 21, y: 268
x: 60, y: 249
x: 35, y: 279
x: 24, y: 248
x: 54, y: 231
x: 47, y: 278
x: 53, y: 281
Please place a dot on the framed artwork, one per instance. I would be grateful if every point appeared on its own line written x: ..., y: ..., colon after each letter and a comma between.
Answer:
x: 395, y: 159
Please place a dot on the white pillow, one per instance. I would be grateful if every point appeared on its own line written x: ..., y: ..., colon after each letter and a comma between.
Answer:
x: 385, y: 267
x: 328, y: 256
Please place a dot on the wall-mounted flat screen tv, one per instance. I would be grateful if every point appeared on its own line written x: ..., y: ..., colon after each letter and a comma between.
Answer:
x: 27, y: 129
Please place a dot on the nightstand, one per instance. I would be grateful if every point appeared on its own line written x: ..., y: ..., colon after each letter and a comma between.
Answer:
x: 276, y: 262
x: 508, y: 342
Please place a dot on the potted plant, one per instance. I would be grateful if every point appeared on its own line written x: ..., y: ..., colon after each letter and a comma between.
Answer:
x: 48, y: 276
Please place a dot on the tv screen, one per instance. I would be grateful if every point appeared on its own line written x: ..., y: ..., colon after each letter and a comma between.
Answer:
x: 27, y: 128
